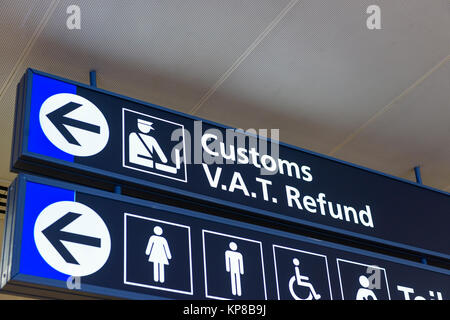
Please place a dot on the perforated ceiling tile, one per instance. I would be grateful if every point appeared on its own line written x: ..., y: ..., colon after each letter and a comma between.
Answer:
x: 164, y: 52
x: 322, y: 67
x: 321, y: 74
x: 309, y: 68
x: 7, y: 104
x: 18, y: 22
x: 416, y: 131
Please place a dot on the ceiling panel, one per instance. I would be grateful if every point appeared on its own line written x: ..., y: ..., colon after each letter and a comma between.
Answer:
x: 415, y: 131
x: 321, y: 74
x: 18, y: 21
x: 7, y: 103
x: 164, y: 52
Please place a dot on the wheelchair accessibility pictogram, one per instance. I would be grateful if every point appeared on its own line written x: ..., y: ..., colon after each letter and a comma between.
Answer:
x: 298, y: 280
x: 301, y: 274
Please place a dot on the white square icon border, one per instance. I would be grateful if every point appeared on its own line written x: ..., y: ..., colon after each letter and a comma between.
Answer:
x: 360, y: 264
x: 235, y: 237
x: 147, y: 171
x: 301, y: 251
x: 126, y: 214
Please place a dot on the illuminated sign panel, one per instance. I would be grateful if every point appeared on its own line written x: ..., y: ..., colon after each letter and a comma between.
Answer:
x: 87, y: 133
x: 79, y: 240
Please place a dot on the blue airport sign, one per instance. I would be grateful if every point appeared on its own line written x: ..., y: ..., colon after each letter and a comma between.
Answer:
x: 91, y: 136
x: 66, y: 240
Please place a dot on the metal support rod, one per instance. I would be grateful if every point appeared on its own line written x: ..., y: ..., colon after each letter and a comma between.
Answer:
x: 419, y: 181
x: 117, y: 189
x: 93, y: 78
x: 418, y: 176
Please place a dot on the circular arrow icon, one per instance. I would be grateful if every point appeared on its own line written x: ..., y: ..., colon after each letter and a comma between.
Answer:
x: 74, y: 124
x: 72, y: 238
